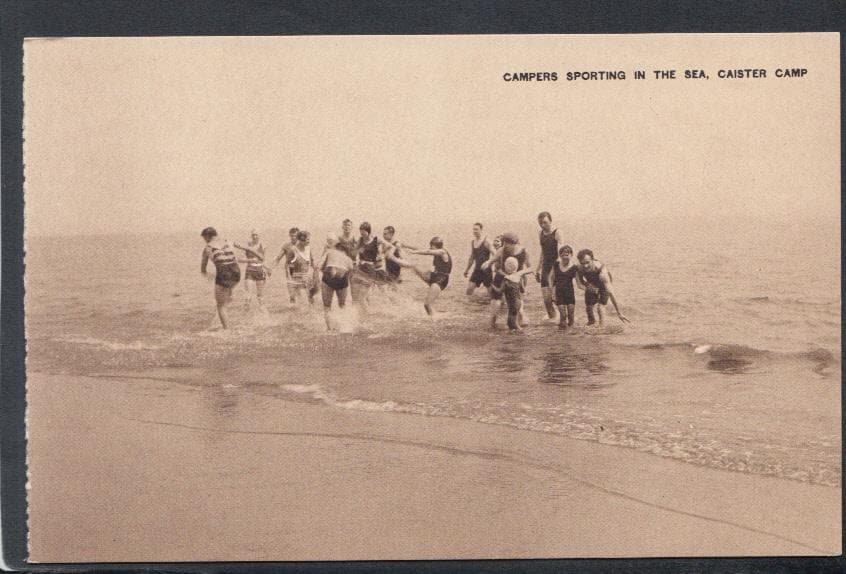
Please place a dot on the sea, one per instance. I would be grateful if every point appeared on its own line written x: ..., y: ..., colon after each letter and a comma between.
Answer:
x: 732, y: 359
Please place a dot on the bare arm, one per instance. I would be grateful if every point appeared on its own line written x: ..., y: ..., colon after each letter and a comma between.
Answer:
x: 540, y: 261
x: 517, y: 275
x: 605, y: 277
x: 205, y: 261
x: 282, y: 253
x: 469, y: 261
x: 495, y: 255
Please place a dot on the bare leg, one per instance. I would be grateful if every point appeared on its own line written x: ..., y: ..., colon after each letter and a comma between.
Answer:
x: 342, y: 297
x: 590, y: 316
x: 431, y: 296
x: 470, y: 288
x: 571, y: 311
x: 548, y: 302
x: 495, y: 306
x: 222, y: 296
x: 259, y: 292
x: 562, y: 316
x: 600, y: 311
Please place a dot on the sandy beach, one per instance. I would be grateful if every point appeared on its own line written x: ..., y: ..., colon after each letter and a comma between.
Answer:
x: 141, y: 467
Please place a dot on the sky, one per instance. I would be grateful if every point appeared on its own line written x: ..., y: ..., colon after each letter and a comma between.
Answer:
x: 174, y: 134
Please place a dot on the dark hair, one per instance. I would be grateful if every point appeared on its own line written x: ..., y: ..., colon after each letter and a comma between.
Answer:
x: 436, y: 242
x: 543, y: 214
x: 584, y: 252
x: 208, y: 232
x: 566, y: 249
x: 365, y: 226
x: 391, y: 229
x: 344, y: 222
x: 293, y: 230
x: 479, y: 224
x: 303, y: 235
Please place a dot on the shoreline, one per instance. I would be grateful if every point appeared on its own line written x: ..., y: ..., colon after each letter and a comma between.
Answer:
x: 123, y: 469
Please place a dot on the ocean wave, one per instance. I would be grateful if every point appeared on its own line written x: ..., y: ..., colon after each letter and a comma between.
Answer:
x: 583, y: 426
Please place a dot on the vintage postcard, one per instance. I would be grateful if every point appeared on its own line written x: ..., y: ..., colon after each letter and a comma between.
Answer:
x: 432, y: 297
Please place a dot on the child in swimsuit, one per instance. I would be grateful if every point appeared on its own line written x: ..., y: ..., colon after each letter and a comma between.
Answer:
x: 565, y: 272
x: 512, y: 290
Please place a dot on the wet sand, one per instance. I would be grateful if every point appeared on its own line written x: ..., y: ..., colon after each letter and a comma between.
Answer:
x: 142, y: 467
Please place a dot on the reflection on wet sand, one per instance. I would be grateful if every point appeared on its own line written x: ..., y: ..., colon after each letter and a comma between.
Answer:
x: 568, y: 368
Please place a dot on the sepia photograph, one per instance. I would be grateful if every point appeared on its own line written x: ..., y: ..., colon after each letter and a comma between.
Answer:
x: 432, y: 297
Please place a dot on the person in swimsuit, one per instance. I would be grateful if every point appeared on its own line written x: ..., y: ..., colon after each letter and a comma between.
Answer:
x: 480, y: 251
x: 336, y: 268
x: 550, y: 241
x: 227, y: 271
x: 303, y: 271
x: 392, y: 266
x: 497, y: 277
x: 255, y: 272
x: 564, y: 273
x: 370, y: 268
x: 348, y: 241
x: 438, y: 277
x: 595, y: 279
x: 512, y: 290
x: 511, y: 247
x: 287, y: 254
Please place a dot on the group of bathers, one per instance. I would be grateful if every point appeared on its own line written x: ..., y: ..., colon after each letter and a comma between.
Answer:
x: 500, y: 266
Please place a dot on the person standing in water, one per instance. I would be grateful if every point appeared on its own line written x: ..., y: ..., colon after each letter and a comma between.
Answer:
x: 512, y: 290
x: 595, y: 279
x: 287, y: 253
x: 391, y: 266
x: 550, y: 241
x: 480, y: 252
x: 255, y: 272
x: 227, y: 271
x: 564, y: 273
x: 497, y: 277
x: 303, y: 270
x: 336, y: 268
x: 511, y: 247
x: 438, y: 277
x: 371, y: 254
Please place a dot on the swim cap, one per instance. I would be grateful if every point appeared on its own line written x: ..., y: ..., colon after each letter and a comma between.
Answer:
x: 510, y: 265
x: 510, y: 238
x: 209, y: 232
x: 437, y: 242
x: 332, y: 239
